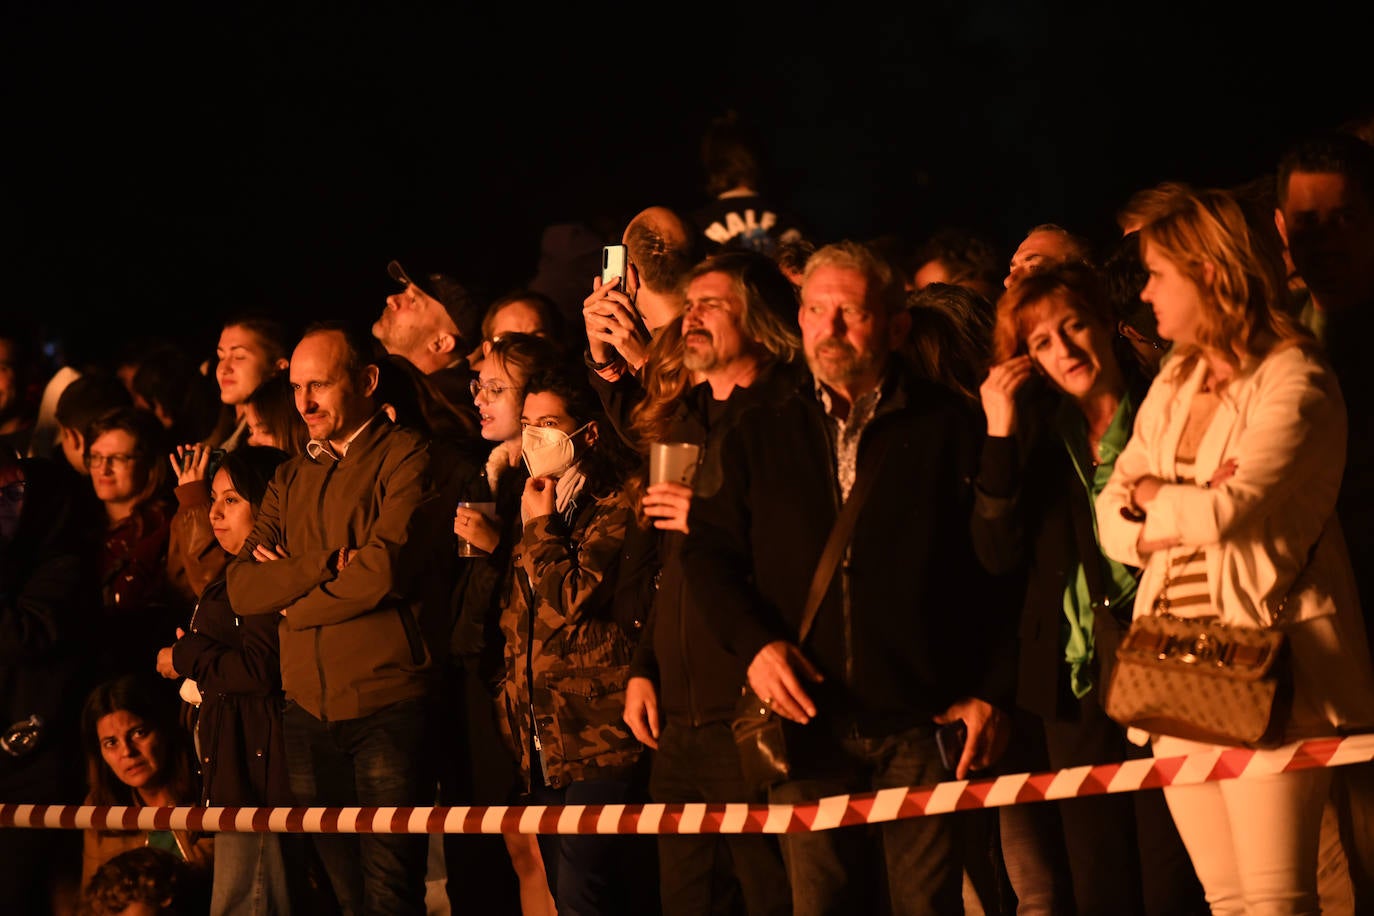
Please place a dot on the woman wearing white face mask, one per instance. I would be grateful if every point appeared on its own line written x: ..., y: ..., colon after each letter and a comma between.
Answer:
x: 562, y: 693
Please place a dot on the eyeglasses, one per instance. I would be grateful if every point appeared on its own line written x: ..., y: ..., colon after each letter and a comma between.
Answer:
x: 117, y: 461
x: 492, y: 390
x: 12, y: 492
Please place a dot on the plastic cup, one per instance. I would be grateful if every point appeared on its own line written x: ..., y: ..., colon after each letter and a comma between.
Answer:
x: 467, y: 548
x: 675, y: 461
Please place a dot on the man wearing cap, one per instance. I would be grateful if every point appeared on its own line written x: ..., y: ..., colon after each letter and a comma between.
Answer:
x: 434, y: 324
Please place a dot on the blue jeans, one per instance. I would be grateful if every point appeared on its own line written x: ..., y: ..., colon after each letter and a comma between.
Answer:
x: 593, y: 875
x: 250, y: 877
x: 376, y: 760
x: 831, y: 870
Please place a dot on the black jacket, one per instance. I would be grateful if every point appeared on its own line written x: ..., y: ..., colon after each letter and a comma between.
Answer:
x: 1033, y: 521
x: 49, y: 603
x: 236, y: 663
x: 697, y: 677
x: 908, y: 624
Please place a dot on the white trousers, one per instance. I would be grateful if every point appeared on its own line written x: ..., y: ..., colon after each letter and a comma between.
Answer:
x: 1253, y: 840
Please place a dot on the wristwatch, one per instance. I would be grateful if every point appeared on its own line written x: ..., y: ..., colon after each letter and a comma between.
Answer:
x: 595, y: 366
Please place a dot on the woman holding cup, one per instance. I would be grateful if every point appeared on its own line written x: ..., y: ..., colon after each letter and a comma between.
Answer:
x: 484, y: 578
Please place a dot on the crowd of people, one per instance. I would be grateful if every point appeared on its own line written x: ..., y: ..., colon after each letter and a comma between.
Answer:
x: 426, y: 562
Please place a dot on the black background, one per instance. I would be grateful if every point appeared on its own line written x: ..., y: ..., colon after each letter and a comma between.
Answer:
x: 167, y: 165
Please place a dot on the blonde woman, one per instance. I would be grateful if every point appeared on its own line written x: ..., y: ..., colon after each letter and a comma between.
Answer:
x: 1224, y: 496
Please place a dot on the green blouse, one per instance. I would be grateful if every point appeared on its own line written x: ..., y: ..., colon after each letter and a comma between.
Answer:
x: 1121, y: 579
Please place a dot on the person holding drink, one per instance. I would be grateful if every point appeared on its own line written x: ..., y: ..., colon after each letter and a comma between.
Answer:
x: 734, y: 346
x: 479, y: 770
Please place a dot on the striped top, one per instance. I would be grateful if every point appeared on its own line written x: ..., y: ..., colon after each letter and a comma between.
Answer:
x: 1185, y: 592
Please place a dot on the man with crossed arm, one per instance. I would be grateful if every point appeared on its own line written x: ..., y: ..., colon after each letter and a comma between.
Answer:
x: 340, y: 550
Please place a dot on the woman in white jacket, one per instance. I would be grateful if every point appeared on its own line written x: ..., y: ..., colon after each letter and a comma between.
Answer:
x: 1224, y: 497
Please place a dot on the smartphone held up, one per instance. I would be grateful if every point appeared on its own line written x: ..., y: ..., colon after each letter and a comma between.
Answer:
x: 615, y: 262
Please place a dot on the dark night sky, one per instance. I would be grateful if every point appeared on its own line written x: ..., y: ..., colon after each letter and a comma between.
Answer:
x: 166, y: 166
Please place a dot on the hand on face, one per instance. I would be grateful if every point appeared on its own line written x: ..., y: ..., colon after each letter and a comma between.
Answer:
x: 998, y: 393
x: 538, y: 499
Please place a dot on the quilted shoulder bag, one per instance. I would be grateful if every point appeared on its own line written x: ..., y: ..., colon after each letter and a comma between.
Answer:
x: 1200, y: 679
x: 759, y: 732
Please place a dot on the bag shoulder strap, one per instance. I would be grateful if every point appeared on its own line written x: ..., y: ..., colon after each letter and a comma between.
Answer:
x: 838, y: 541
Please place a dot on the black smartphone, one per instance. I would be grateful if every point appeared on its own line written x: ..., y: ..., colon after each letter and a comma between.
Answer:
x: 212, y: 466
x: 950, y: 740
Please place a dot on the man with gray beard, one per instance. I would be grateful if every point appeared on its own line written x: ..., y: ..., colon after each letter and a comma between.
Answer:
x: 906, y: 636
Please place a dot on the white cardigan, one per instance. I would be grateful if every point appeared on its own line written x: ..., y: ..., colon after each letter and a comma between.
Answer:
x: 1284, y: 422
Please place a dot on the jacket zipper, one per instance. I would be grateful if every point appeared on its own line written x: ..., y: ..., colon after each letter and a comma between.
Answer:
x: 324, y: 539
x: 530, y: 600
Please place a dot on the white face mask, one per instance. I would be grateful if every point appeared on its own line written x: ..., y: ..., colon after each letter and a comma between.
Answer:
x: 548, y: 452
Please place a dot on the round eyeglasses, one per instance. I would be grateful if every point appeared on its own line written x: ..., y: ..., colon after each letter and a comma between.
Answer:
x: 491, y: 390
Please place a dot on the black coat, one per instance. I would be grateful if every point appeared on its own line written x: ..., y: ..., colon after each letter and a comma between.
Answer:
x: 913, y: 626
x: 49, y: 599
x: 236, y: 664
x: 697, y: 676
x: 1032, y: 520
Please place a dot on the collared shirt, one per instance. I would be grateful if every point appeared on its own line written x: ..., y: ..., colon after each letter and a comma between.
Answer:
x: 848, y: 431
x: 317, y: 447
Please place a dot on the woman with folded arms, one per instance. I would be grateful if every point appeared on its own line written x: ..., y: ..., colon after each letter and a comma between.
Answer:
x: 1224, y: 496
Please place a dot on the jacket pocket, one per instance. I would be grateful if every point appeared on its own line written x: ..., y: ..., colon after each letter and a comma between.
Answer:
x: 580, y: 725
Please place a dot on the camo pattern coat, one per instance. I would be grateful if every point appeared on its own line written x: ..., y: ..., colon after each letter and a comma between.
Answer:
x: 566, y: 659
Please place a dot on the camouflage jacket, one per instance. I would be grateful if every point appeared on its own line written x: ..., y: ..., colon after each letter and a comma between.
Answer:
x: 566, y: 659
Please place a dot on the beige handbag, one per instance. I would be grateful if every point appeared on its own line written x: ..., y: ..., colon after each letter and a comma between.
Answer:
x: 1200, y: 679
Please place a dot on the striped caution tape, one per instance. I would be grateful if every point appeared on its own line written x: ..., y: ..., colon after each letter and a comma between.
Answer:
x: 825, y: 814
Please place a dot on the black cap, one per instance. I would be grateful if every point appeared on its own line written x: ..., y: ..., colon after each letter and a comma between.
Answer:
x: 452, y: 295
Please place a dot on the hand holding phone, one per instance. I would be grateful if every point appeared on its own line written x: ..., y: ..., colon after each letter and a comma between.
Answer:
x: 950, y: 739
x: 615, y: 328
x: 615, y: 261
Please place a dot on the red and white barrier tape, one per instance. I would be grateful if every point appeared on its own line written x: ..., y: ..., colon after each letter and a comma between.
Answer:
x: 825, y: 814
